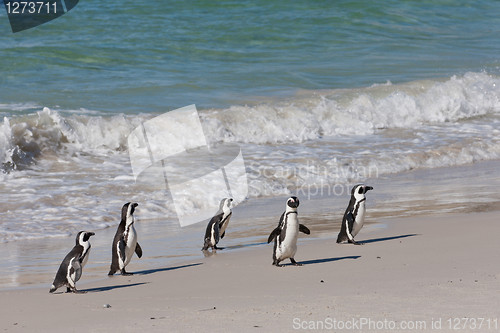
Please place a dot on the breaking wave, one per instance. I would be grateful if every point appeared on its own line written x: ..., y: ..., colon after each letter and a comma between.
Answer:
x: 307, y: 116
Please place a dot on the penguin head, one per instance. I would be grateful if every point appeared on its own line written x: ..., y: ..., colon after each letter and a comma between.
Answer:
x: 225, y: 204
x: 128, y: 211
x: 358, y: 191
x: 292, y: 203
x: 83, y: 237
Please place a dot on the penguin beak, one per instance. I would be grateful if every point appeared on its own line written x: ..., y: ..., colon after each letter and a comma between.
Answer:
x: 135, y: 204
x: 293, y: 203
x: 368, y: 188
x: 91, y: 233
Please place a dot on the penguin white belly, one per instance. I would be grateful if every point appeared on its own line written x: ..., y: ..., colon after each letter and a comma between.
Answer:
x: 359, y: 220
x: 72, y: 276
x: 130, y: 244
x: 224, y: 225
x: 85, y: 258
x: 288, y: 247
x: 212, y: 235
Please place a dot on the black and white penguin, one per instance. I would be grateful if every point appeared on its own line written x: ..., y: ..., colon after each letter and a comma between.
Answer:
x: 286, y: 233
x: 71, y: 267
x: 354, y: 216
x: 125, y: 241
x: 216, y: 228
x: 225, y: 210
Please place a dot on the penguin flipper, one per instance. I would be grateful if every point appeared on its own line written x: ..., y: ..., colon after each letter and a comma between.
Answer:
x: 121, y: 248
x: 76, y: 267
x: 278, y: 229
x: 138, y: 250
x: 350, y: 225
x: 350, y: 221
x: 216, y: 233
x: 304, y: 229
x: 222, y: 236
x: 273, y: 234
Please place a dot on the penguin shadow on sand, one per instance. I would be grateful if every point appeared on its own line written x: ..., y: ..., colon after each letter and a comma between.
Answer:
x: 325, y: 260
x: 157, y: 270
x: 108, y: 288
x: 384, y: 239
x: 145, y: 272
x: 243, y: 246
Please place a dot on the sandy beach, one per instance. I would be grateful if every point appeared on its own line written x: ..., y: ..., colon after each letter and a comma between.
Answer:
x: 417, y: 274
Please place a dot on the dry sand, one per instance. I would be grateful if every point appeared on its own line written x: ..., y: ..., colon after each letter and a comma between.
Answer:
x: 424, y: 273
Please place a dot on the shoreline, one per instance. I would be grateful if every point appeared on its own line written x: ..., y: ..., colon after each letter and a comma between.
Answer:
x: 462, y: 189
x: 417, y: 269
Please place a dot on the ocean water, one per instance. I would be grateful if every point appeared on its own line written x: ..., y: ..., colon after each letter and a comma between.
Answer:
x: 319, y: 96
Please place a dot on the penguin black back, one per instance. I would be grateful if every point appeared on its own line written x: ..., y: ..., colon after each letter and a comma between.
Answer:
x: 70, y: 270
x: 354, y: 215
x: 125, y: 241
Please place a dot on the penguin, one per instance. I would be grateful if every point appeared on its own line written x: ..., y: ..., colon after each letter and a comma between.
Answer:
x: 70, y: 270
x: 225, y: 210
x: 354, y: 216
x: 216, y: 228
x: 286, y: 233
x: 125, y: 241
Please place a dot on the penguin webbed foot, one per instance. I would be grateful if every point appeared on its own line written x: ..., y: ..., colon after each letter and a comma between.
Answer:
x: 125, y: 273
x: 79, y: 291
x: 277, y: 263
x: 74, y: 290
x: 356, y: 243
x: 294, y: 262
x: 206, y: 245
x: 208, y: 253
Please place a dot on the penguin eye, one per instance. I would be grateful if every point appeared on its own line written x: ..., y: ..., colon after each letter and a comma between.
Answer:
x: 360, y: 190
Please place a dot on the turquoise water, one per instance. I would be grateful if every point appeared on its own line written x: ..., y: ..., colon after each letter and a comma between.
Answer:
x: 147, y: 56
